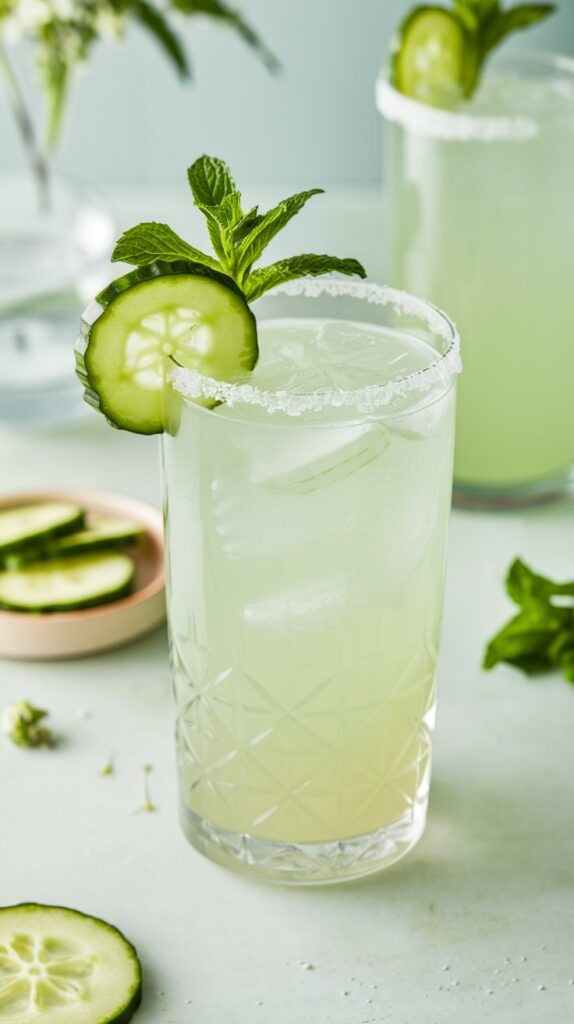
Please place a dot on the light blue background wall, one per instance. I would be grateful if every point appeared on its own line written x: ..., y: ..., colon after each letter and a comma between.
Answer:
x: 133, y: 121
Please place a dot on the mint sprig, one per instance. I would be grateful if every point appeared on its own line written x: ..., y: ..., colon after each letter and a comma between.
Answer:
x: 540, y: 637
x: 239, y: 238
x: 493, y: 28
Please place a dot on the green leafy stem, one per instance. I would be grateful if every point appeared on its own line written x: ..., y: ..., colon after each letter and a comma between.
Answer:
x: 541, y: 636
x: 487, y: 24
x: 239, y: 238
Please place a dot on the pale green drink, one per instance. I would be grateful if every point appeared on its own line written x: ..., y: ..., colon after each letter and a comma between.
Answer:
x: 482, y: 222
x: 306, y: 542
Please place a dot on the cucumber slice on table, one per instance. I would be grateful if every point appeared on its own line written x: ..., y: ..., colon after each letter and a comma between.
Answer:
x: 30, y: 524
x: 59, y: 966
x: 100, y: 533
x: 168, y: 309
x: 434, y: 59
x: 67, y: 583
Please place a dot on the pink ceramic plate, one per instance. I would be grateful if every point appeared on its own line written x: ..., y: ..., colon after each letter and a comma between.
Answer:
x: 71, y: 634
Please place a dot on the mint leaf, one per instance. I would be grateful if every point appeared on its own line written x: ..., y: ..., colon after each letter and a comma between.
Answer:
x: 530, y: 634
x: 525, y: 586
x: 504, y: 23
x: 479, y: 9
x: 541, y: 636
x: 246, y: 224
x: 150, y: 242
x: 239, y: 239
x: 270, y: 224
x: 221, y: 219
x: 298, y: 266
x: 210, y: 181
x: 562, y: 646
x: 474, y: 12
x: 152, y: 19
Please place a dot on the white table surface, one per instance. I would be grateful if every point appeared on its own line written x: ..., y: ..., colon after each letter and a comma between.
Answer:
x: 477, y: 924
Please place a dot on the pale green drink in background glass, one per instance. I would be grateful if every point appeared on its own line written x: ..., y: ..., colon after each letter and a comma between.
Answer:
x: 481, y: 208
x: 306, y: 527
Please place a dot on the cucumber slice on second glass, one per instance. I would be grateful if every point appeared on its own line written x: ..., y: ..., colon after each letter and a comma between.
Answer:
x: 65, y: 584
x: 179, y: 309
x: 434, y: 59
x: 63, y: 967
x: 31, y: 524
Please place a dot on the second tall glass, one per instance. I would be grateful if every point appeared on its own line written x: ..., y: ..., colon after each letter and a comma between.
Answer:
x: 481, y: 207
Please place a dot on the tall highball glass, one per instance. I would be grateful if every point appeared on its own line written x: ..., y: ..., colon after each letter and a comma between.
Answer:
x: 306, y: 514
x: 481, y: 207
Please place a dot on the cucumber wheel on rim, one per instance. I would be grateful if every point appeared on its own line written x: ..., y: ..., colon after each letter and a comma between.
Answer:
x: 434, y: 60
x: 183, y: 310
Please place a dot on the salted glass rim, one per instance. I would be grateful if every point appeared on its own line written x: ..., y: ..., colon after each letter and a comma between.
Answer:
x: 440, y: 372
x: 467, y: 125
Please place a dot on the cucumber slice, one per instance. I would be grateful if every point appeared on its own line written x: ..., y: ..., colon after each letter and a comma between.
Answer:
x: 167, y: 309
x: 31, y: 523
x: 67, y: 583
x: 434, y: 59
x: 101, y: 533
x: 63, y: 967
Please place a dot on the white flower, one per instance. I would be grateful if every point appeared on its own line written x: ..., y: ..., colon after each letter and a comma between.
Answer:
x: 107, y: 24
x: 63, y: 9
x: 32, y: 14
x: 11, y: 30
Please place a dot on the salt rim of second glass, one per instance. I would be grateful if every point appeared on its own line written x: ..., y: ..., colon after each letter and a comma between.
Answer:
x: 448, y: 125
x: 438, y: 374
x: 464, y: 125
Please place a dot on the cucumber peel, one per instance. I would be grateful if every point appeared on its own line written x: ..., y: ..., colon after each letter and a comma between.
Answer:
x: 180, y: 310
x: 63, y: 967
x: 65, y: 584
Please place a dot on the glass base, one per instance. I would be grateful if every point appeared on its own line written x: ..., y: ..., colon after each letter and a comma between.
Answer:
x: 509, y: 499
x: 325, y: 863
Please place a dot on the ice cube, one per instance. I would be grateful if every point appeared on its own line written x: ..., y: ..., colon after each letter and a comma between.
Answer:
x: 421, y: 423
x: 305, y: 607
x: 303, y: 460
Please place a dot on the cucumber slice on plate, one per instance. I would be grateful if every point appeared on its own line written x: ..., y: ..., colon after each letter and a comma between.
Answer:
x: 59, y: 966
x: 434, y: 59
x: 30, y: 524
x: 101, y: 533
x: 67, y: 583
x: 178, y: 309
